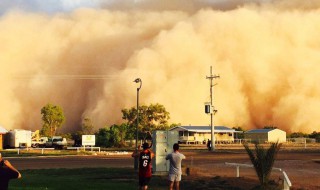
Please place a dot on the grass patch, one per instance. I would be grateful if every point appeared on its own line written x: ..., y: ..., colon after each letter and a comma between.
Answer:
x: 115, y: 178
x: 83, y: 178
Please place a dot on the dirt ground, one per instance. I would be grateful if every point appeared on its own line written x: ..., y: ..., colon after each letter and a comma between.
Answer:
x: 301, y: 165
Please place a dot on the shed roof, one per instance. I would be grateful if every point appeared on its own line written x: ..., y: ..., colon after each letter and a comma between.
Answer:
x: 259, y: 130
x: 204, y: 129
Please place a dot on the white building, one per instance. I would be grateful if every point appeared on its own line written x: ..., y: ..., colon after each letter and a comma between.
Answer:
x: 18, y: 138
x: 266, y: 135
x: 200, y: 134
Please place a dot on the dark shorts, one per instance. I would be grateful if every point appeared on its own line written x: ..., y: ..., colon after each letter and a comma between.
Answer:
x: 143, y: 181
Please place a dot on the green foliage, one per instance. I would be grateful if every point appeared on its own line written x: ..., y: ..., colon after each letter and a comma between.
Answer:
x: 297, y: 135
x: 53, y: 118
x: 108, y: 137
x: 263, y: 160
x: 102, y: 137
x: 152, y: 117
x: 174, y: 125
x: 124, y: 132
x: 315, y: 135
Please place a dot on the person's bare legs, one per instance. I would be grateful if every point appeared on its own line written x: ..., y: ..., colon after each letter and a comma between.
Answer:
x: 171, y: 185
x: 177, y: 185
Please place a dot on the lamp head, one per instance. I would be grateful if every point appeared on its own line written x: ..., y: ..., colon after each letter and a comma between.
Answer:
x: 137, y: 80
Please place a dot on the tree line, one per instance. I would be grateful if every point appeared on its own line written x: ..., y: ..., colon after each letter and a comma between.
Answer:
x: 151, y: 117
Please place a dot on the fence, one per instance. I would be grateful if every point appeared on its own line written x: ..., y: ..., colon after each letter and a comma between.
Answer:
x: 286, y: 181
x: 84, y: 148
x: 27, y: 149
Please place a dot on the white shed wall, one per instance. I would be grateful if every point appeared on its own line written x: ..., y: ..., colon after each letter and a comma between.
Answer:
x: 277, y: 135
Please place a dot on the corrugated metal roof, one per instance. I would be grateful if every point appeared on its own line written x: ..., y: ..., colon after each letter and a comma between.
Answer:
x: 205, y: 128
x: 2, y: 130
x: 259, y: 131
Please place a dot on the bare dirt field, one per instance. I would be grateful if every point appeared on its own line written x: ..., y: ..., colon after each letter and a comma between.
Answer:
x: 301, y: 165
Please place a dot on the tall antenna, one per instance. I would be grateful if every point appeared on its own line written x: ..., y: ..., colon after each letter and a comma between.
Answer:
x: 212, y: 110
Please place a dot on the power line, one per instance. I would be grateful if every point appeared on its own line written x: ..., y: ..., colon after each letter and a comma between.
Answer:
x: 66, y: 76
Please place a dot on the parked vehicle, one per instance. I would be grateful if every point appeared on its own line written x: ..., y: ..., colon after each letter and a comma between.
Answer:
x: 37, y: 141
x: 40, y: 143
x: 56, y: 142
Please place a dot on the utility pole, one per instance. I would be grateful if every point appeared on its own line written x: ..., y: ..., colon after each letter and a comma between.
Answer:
x: 212, y: 110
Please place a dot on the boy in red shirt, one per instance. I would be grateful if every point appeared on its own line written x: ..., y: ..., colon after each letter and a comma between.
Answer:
x: 145, y: 157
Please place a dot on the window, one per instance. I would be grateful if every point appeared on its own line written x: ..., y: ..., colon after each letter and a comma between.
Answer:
x: 191, y: 133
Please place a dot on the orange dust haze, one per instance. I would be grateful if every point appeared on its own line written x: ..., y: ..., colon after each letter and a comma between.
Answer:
x: 267, y: 55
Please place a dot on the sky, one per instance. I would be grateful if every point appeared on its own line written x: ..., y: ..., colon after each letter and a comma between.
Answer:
x: 48, y: 6
x: 84, y: 55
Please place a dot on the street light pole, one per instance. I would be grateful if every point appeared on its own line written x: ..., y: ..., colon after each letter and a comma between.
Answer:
x: 136, y: 159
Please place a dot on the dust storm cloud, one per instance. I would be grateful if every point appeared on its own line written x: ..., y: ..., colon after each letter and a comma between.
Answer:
x: 267, y: 55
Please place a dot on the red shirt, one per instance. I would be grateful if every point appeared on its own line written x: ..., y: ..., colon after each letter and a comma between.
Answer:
x: 145, y: 163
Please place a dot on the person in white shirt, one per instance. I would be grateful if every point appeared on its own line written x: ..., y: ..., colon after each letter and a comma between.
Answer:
x: 175, y: 159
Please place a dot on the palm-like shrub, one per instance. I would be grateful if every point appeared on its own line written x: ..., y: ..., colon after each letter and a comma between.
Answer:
x: 263, y: 160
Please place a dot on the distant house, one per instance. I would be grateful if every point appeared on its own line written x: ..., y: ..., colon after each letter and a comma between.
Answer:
x: 200, y: 134
x: 2, y: 132
x: 265, y: 135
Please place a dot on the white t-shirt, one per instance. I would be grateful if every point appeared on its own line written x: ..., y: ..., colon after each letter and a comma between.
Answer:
x: 175, y: 159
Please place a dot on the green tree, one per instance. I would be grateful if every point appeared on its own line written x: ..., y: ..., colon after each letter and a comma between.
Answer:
x: 53, y: 118
x: 102, y: 137
x: 108, y: 137
x: 297, y: 135
x: 152, y: 117
x: 172, y: 125
x: 115, y: 136
x: 122, y: 131
x: 263, y: 160
x: 315, y: 135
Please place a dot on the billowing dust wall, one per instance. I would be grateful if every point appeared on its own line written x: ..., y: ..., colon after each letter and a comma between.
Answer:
x: 85, y: 60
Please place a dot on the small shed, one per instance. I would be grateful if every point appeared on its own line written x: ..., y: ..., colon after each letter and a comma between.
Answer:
x: 200, y: 134
x: 266, y: 135
x: 2, y: 132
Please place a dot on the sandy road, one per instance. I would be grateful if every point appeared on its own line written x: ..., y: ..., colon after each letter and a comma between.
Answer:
x: 301, y: 166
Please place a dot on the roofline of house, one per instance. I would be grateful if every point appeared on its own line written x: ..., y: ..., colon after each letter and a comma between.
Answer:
x: 204, y: 130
